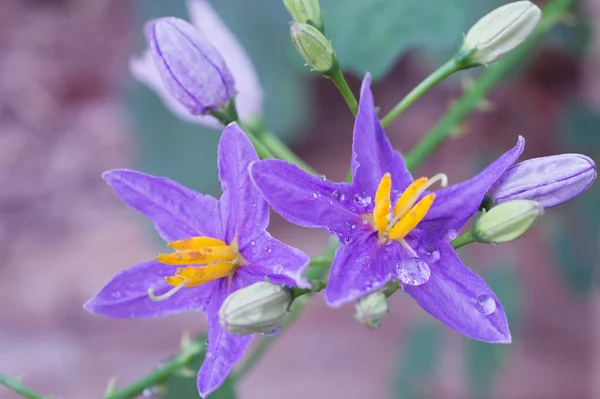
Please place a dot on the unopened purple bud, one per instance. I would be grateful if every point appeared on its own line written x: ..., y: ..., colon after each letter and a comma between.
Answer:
x: 549, y: 181
x: 192, y: 70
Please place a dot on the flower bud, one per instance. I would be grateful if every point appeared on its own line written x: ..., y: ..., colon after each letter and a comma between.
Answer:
x: 305, y: 11
x: 192, y: 70
x: 258, y: 308
x: 370, y: 309
x: 547, y: 180
x: 501, y: 31
x: 313, y: 47
x: 507, y: 222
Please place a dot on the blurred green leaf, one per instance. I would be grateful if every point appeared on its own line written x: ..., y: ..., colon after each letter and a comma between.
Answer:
x: 186, y: 152
x: 370, y: 35
x: 483, y: 360
x: 417, y: 360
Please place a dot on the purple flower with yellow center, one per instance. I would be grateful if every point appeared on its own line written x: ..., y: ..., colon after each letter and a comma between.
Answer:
x: 220, y: 246
x: 393, y: 228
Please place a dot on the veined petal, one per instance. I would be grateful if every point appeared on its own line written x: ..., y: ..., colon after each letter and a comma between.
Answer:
x: 177, y: 211
x: 373, y: 154
x: 244, y: 213
x: 250, y: 96
x: 361, y: 267
x: 550, y: 181
x: 461, y: 299
x: 454, y: 205
x: 277, y: 258
x: 224, y: 348
x: 126, y: 295
x: 305, y: 199
x: 144, y: 69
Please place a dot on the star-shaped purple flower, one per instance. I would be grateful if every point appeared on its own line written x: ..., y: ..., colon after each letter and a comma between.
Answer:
x: 392, y: 228
x: 222, y: 247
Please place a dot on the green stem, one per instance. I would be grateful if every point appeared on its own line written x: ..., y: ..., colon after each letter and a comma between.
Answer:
x: 465, y: 239
x: 340, y: 82
x: 472, y: 97
x: 316, y: 286
x: 15, y: 385
x: 279, y: 149
x: 191, y: 350
x: 442, y: 72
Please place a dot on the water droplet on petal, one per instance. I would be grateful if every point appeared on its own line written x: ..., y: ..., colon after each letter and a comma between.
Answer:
x: 270, y: 333
x: 450, y: 234
x: 252, y: 243
x: 323, y: 177
x: 485, y: 304
x: 432, y: 254
x: 316, y: 195
x: 116, y: 294
x: 337, y: 195
x: 413, y: 271
x: 206, y: 344
x: 362, y: 200
x: 254, y: 205
x: 350, y: 225
x: 152, y: 392
x: 268, y: 249
x: 347, y: 240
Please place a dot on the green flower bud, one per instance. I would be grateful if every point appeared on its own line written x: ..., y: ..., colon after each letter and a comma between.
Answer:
x: 507, y: 221
x: 370, y: 309
x: 313, y: 47
x: 258, y: 308
x: 306, y: 12
x: 501, y: 31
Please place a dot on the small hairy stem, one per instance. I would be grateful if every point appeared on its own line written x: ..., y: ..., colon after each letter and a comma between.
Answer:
x: 442, y: 72
x: 463, y: 240
x: 340, y: 82
x: 473, y: 96
x: 317, y: 286
x: 190, y: 351
x: 16, y: 385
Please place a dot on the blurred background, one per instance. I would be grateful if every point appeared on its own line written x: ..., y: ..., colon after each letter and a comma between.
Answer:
x: 69, y: 110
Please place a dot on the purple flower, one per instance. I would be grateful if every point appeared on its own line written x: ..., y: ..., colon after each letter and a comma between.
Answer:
x: 392, y: 228
x: 547, y: 180
x: 249, y: 98
x: 192, y: 70
x: 221, y: 246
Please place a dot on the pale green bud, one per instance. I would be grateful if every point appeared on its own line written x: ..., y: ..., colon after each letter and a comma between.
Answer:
x: 507, y: 221
x: 501, y: 31
x: 258, y: 308
x: 313, y: 47
x: 371, y: 308
x: 305, y: 11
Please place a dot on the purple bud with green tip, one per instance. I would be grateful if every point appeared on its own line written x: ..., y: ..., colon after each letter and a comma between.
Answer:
x: 192, y: 70
x: 548, y: 180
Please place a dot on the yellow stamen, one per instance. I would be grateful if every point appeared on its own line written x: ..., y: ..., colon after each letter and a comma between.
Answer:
x: 407, y: 198
x: 195, y: 243
x: 198, y: 256
x: 382, y: 203
x: 200, y: 275
x: 412, y: 218
x: 167, y: 294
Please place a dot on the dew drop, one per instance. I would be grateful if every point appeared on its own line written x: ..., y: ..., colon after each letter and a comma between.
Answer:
x: 152, y: 392
x: 252, y: 243
x: 362, y: 200
x: 270, y: 333
x: 316, y: 195
x: 323, y: 177
x: 254, y: 205
x: 268, y: 249
x: 485, y: 304
x: 450, y: 234
x: 206, y: 344
x: 116, y: 295
x: 350, y: 225
x: 432, y: 254
x: 347, y: 240
x: 337, y: 195
x: 413, y: 271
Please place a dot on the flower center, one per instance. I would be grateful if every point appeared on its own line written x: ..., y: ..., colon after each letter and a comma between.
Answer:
x: 205, y: 259
x: 396, y: 223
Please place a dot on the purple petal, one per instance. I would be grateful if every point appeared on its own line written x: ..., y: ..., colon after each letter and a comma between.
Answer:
x: 454, y: 205
x: 249, y: 99
x: 177, y: 212
x: 462, y: 300
x: 244, y: 213
x: 305, y: 199
x: 361, y: 267
x: 192, y: 70
x: 373, y: 155
x: 224, y: 348
x: 126, y: 295
x: 550, y: 181
x: 281, y: 263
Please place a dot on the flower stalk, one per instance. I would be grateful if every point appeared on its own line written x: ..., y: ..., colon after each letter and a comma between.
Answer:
x: 16, y: 385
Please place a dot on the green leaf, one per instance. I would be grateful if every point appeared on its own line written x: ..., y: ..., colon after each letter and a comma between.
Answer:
x: 483, y: 360
x: 371, y: 35
x: 417, y: 360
